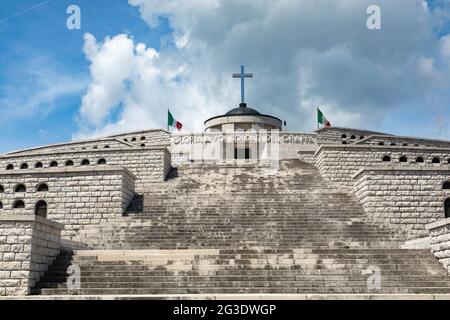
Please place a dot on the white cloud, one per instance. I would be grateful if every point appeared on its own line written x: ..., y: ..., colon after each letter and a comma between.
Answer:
x: 303, y: 54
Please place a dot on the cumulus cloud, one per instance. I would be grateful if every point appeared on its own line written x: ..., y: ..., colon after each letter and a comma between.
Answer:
x: 303, y: 54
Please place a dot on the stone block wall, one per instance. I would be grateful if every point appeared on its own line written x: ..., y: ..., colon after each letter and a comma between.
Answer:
x: 337, y: 135
x: 403, y: 141
x: 28, y: 246
x: 439, y: 234
x: 337, y: 163
x: 109, y: 143
x: 308, y: 157
x: 125, y: 141
x: 157, y: 137
x: 147, y: 164
x: 76, y: 197
x: 407, y: 197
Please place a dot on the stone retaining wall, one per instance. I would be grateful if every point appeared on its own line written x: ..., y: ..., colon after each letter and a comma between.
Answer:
x: 76, y: 197
x: 157, y: 137
x: 439, y: 232
x: 337, y: 163
x: 308, y: 157
x: 336, y: 135
x: 406, y: 197
x: 28, y: 246
x: 109, y: 143
x: 147, y: 164
x: 400, y: 141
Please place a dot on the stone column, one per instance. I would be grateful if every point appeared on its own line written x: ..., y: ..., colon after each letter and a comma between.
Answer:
x: 28, y: 246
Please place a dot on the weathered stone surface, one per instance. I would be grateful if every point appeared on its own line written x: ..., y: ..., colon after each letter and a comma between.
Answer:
x: 439, y: 234
x: 392, y: 197
x: 28, y: 257
x: 76, y: 197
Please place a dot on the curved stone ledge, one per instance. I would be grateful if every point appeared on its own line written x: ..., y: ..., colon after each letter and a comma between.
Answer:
x: 95, y: 151
x: 438, y: 224
x: 367, y: 147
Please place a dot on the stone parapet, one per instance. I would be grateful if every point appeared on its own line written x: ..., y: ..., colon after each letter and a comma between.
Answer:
x: 439, y: 233
x: 148, y: 164
x: 408, y: 197
x: 28, y: 246
x: 75, y: 197
x: 338, y: 163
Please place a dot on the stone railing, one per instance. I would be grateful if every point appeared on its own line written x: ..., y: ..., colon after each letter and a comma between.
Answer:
x: 28, y: 246
x: 439, y: 233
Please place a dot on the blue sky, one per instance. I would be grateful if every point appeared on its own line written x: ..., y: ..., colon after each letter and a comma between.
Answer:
x: 40, y: 37
x: 45, y: 73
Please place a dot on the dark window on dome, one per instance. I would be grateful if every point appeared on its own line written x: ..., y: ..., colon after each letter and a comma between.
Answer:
x: 2, y: 189
x: 405, y: 144
x: 9, y: 167
x: 447, y: 208
x: 53, y: 164
x: 107, y: 147
x: 420, y: 160
x: 362, y: 137
x: 446, y: 185
x: 126, y: 140
x: 1, y: 205
x: 403, y: 159
x: 38, y: 165
x: 436, y: 160
x: 344, y: 136
x: 40, y: 209
x: 101, y: 161
x: 69, y: 163
x: 352, y: 137
x: 381, y: 143
x: 19, y: 204
x: 43, y: 187
x: 393, y: 144
x: 24, y: 166
x: 344, y: 142
x: 386, y: 158
x: 143, y: 145
x: 85, y: 162
x: 142, y: 138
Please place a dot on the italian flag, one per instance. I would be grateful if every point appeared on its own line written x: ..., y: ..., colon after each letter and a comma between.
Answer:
x: 322, y: 120
x: 174, y: 123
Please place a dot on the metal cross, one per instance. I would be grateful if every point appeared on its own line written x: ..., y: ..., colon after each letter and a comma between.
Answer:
x: 242, y: 76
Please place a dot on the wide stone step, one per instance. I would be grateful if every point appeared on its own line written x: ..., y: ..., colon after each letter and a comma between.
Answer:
x: 212, y: 283
x: 267, y: 290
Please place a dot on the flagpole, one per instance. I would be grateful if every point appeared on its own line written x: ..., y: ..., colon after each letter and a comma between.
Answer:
x: 168, y: 111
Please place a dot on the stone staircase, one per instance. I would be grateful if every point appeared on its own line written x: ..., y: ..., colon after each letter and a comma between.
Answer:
x: 244, y: 229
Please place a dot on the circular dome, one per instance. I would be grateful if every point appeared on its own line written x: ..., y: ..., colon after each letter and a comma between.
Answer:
x: 241, y: 111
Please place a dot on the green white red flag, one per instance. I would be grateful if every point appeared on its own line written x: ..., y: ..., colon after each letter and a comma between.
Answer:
x: 322, y: 120
x: 172, y: 122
